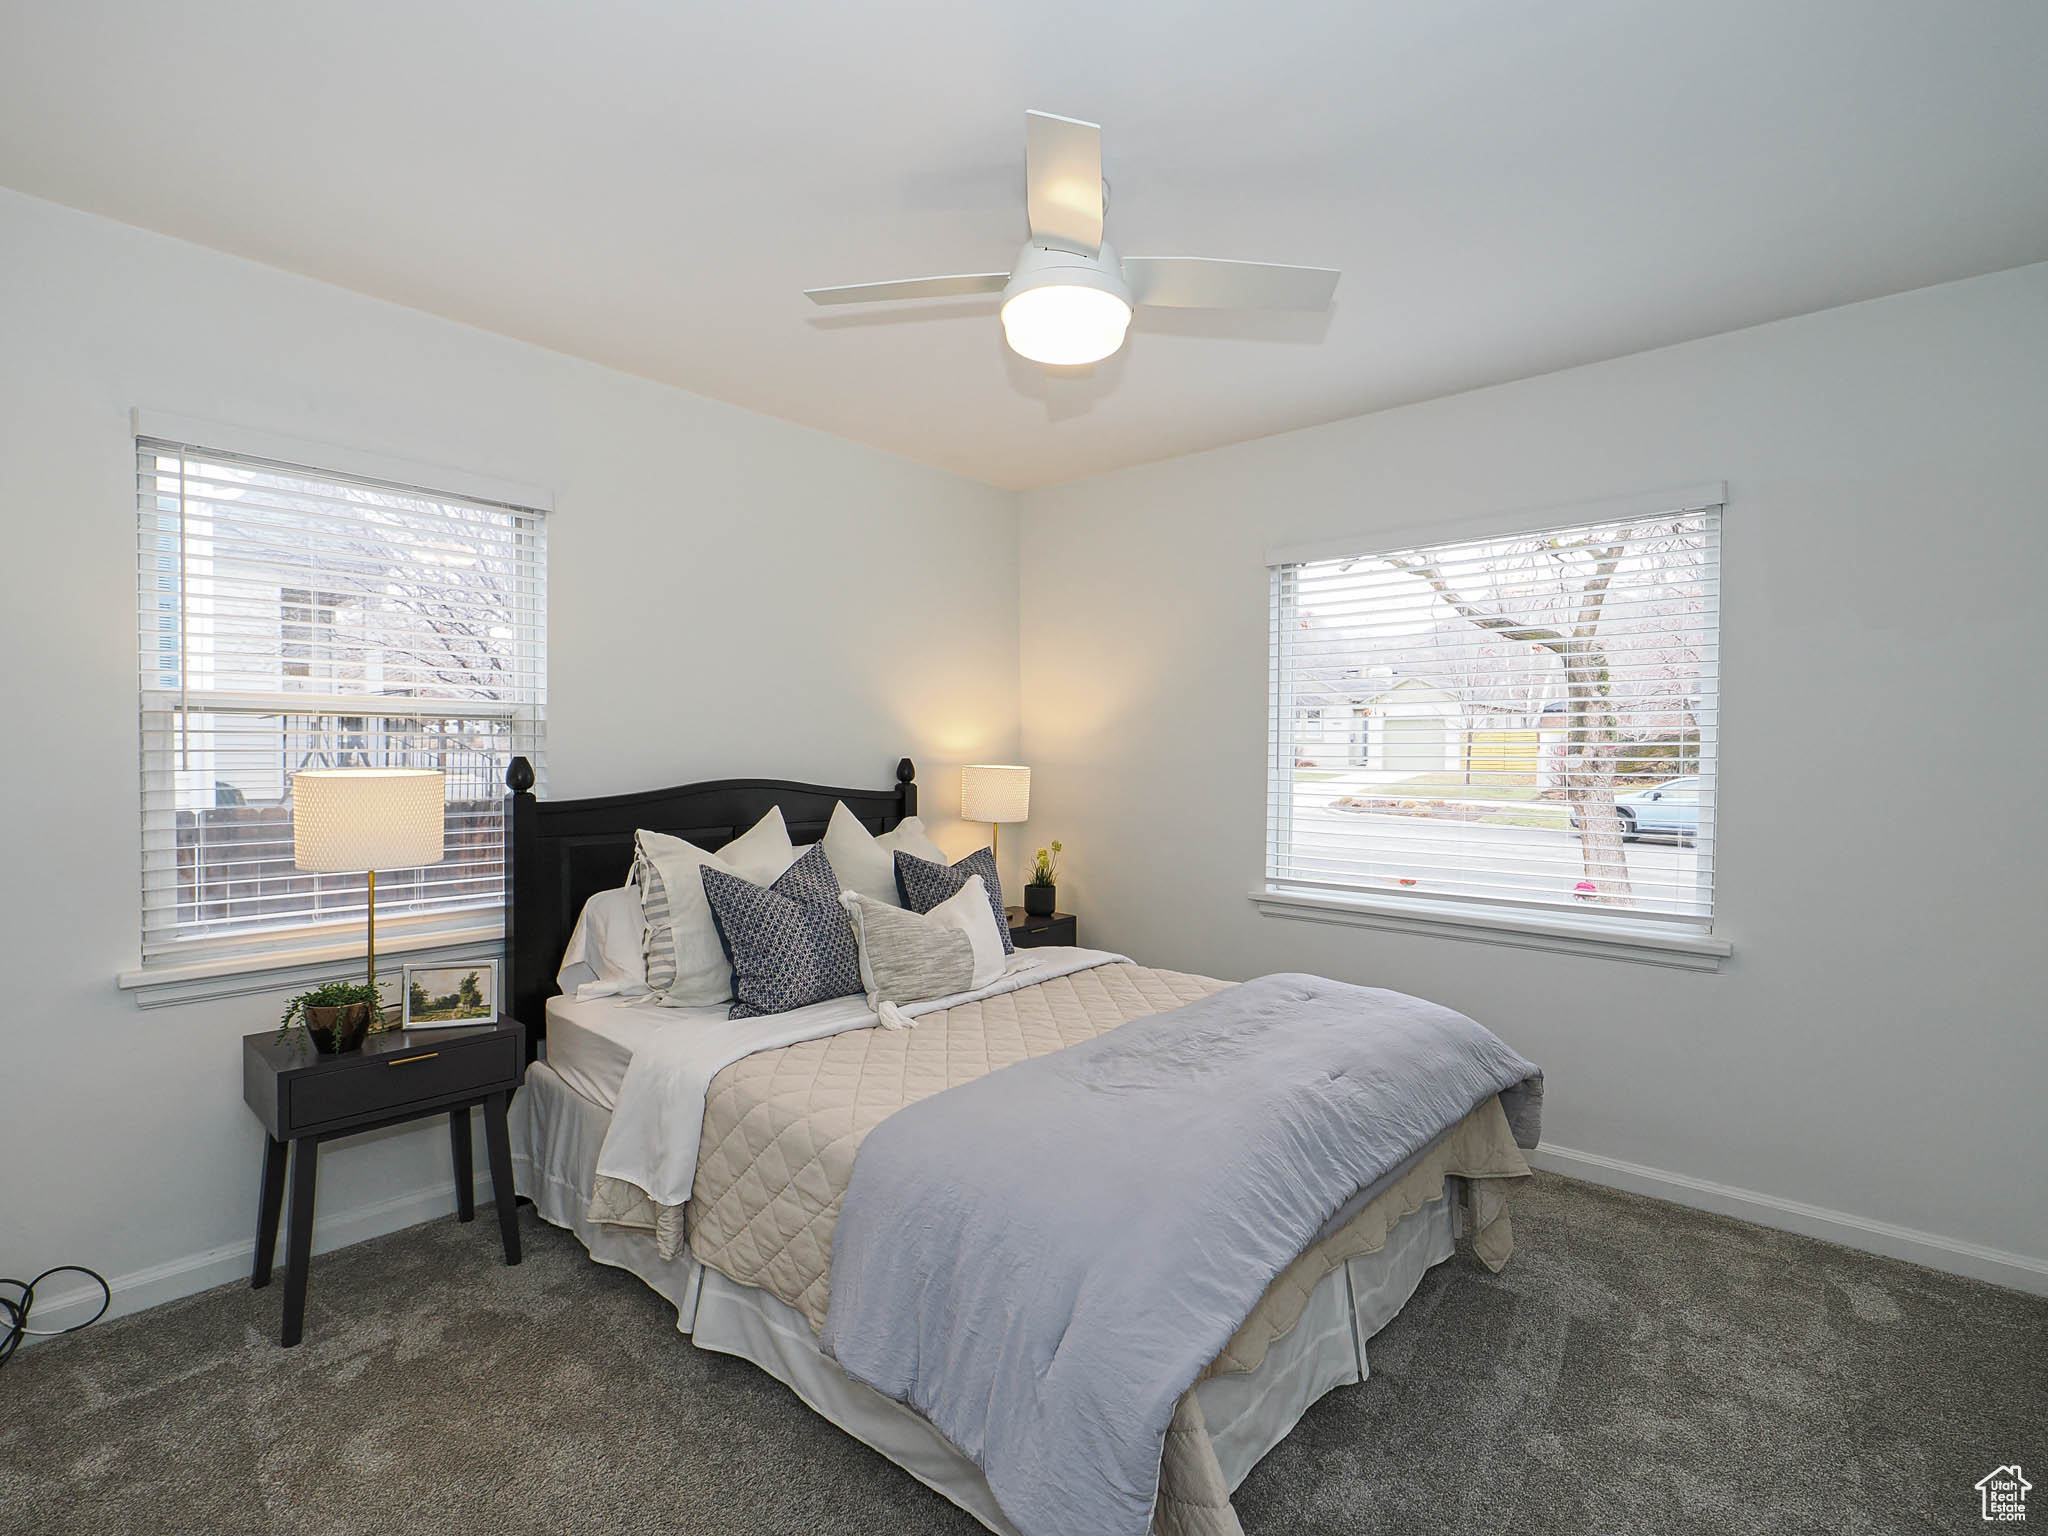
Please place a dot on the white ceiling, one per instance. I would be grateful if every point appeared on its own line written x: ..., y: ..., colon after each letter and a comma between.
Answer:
x: 1509, y: 188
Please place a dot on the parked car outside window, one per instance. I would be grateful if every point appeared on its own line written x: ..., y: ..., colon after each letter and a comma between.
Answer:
x: 1670, y: 809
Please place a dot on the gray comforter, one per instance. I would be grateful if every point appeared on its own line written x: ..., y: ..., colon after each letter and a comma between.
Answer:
x: 1043, y: 1260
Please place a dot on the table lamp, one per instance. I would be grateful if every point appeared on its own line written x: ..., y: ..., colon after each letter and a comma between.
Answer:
x: 995, y: 793
x: 346, y: 820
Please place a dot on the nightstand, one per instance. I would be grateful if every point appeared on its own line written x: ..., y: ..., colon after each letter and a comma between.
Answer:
x: 1033, y: 932
x: 304, y: 1098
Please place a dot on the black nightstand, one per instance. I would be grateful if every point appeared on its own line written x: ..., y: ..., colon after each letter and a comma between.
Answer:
x: 1033, y: 932
x: 304, y: 1098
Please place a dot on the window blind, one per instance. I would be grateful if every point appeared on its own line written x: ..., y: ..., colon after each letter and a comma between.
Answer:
x: 297, y: 618
x: 1529, y: 721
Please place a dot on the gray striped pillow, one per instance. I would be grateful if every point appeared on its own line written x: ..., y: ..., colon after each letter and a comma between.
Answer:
x: 906, y: 958
x: 687, y: 965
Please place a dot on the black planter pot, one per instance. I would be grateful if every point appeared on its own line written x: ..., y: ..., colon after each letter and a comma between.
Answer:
x: 336, y: 1031
x: 1039, y: 900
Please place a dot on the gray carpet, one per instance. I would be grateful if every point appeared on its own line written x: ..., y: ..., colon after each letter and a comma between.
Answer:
x: 1636, y: 1368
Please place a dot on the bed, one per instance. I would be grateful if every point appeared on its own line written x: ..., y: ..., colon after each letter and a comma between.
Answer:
x: 778, y: 1125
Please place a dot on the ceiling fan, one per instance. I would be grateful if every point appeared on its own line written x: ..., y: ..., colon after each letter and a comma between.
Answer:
x: 1067, y: 301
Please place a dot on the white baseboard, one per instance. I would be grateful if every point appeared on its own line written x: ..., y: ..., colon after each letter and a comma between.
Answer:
x: 2015, y: 1271
x: 158, y: 1283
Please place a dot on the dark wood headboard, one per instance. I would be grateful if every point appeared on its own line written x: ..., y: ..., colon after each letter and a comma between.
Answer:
x: 560, y: 853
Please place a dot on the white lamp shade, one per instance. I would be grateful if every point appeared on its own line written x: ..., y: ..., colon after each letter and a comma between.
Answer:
x: 350, y: 819
x: 995, y: 792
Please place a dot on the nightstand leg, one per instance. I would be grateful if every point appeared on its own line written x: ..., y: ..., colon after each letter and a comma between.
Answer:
x: 465, y: 1177
x: 268, y: 1209
x: 305, y: 1165
x: 499, y: 1144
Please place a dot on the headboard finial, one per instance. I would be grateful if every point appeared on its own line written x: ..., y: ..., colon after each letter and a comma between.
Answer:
x: 906, y: 771
x: 519, y: 777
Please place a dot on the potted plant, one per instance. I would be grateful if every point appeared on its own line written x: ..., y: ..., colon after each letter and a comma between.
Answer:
x: 336, y: 1014
x: 1041, y: 895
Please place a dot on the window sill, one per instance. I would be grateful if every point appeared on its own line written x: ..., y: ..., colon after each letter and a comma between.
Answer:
x: 1566, y: 934
x: 288, y: 970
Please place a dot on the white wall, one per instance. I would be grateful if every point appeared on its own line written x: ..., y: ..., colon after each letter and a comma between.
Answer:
x: 729, y: 594
x: 1875, y: 1047
x: 1878, y: 1045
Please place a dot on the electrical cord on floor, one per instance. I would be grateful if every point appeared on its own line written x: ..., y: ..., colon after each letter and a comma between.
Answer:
x: 14, y: 1310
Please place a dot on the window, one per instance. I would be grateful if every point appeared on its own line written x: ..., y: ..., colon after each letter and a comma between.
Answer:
x: 1523, y: 722
x: 294, y: 618
x: 307, y: 624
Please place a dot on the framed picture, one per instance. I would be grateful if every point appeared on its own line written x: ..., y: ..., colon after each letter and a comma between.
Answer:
x: 440, y: 995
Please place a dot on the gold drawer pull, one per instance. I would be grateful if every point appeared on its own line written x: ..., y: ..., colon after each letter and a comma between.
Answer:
x: 399, y: 1061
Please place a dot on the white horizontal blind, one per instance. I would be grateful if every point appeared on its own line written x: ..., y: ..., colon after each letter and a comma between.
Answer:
x: 1529, y: 721
x: 294, y: 618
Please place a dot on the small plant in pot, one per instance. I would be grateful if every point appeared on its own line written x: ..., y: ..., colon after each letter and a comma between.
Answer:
x: 335, y: 1014
x: 1042, y: 894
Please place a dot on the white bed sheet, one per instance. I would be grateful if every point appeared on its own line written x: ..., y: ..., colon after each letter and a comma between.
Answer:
x: 591, y: 1044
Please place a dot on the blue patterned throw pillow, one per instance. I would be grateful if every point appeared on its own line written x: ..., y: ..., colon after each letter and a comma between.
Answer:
x: 923, y: 884
x: 791, y: 943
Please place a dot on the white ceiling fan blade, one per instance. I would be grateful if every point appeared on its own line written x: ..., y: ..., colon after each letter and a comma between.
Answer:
x: 911, y: 288
x: 1199, y: 282
x: 1063, y: 182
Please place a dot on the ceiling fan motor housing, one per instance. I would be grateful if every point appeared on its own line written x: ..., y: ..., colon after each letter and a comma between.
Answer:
x: 1040, y: 266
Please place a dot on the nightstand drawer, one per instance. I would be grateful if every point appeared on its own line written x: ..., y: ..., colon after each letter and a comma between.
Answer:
x: 1035, y: 932
x: 427, y: 1070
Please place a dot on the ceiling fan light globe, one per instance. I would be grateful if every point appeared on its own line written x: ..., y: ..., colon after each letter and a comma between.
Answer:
x: 1065, y: 325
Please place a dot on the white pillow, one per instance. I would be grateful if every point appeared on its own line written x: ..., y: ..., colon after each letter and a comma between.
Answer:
x: 606, y: 957
x: 686, y: 964
x: 906, y: 957
x: 968, y: 910
x: 866, y: 863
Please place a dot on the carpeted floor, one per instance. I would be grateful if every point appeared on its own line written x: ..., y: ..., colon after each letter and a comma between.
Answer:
x: 1637, y: 1368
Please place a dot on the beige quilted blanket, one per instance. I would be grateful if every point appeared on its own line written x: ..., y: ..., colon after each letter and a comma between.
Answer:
x: 781, y: 1129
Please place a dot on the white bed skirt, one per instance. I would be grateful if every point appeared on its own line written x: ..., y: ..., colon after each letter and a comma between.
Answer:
x: 556, y: 1133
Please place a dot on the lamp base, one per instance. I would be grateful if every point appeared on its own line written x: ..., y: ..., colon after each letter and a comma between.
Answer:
x: 379, y: 1013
